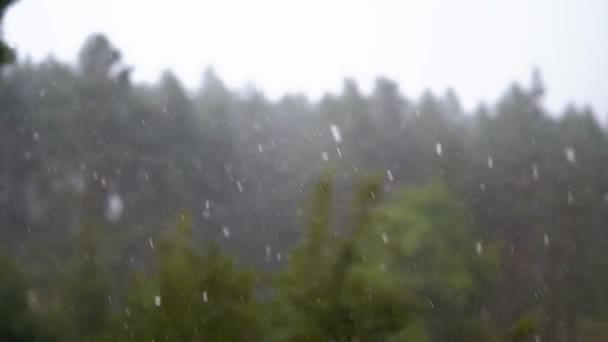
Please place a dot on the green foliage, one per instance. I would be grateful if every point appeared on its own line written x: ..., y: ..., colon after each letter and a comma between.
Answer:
x: 329, y: 291
x: 426, y: 243
x: 86, y: 292
x: 525, y: 327
x: 411, y: 258
x: 18, y: 322
x: 191, y: 296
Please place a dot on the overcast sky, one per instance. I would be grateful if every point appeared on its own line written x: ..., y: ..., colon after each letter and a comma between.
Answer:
x: 477, y: 47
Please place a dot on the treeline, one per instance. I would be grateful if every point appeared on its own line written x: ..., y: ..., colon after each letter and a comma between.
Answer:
x: 500, y: 233
x: 404, y: 270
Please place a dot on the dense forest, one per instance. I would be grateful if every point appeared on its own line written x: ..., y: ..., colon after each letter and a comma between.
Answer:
x: 152, y: 212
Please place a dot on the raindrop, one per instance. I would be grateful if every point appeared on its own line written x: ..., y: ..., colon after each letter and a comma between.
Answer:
x: 103, y: 182
x: 339, y: 152
x: 335, y: 133
x: 36, y: 136
x: 490, y: 163
x: 157, y: 301
x: 205, y: 297
x: 325, y: 156
x: 143, y: 123
x: 239, y: 186
x: 279, y: 257
x: 546, y: 239
x: 151, y: 243
x: 226, y: 232
x: 268, y: 252
x: 260, y: 148
x: 384, y: 238
x: 535, y: 171
x: 389, y: 175
x: 115, y: 207
x: 438, y: 149
x: 482, y: 186
x: 207, y: 204
x: 570, y: 197
x: 570, y: 154
x: 478, y: 247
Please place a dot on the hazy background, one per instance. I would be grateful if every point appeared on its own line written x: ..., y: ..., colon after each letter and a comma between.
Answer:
x: 476, y: 47
x: 139, y: 204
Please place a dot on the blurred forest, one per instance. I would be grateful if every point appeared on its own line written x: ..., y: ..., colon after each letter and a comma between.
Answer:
x: 139, y: 212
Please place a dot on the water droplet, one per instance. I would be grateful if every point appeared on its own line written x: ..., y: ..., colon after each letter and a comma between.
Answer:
x: 205, y: 297
x: 279, y: 257
x: 535, y: 171
x: 157, y: 301
x: 335, y: 133
x: 570, y: 154
x: 239, y: 186
x: 570, y: 198
x: 482, y: 186
x: 339, y: 152
x: 389, y: 175
x: 478, y: 247
x: 36, y: 136
x: 260, y: 148
x: 143, y: 123
x: 325, y: 156
x: 114, y: 208
x: 226, y: 232
x: 438, y: 149
x: 546, y: 239
x: 151, y: 242
x: 490, y: 163
x: 384, y: 238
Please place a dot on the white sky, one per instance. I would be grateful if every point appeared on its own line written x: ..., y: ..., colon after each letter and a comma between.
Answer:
x: 477, y: 47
